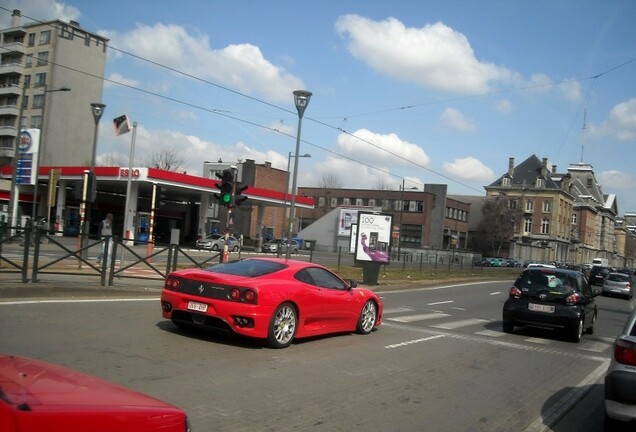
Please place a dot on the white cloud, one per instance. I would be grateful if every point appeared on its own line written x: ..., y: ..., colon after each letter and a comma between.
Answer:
x: 469, y: 168
x: 116, y: 78
x: 42, y: 10
x: 504, y: 106
x: 454, y: 119
x: 432, y: 56
x: 242, y: 66
x: 380, y: 149
x: 621, y: 122
x: 614, y: 179
x: 571, y: 91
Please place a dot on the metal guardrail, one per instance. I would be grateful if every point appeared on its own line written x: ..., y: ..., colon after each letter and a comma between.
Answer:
x: 23, y: 252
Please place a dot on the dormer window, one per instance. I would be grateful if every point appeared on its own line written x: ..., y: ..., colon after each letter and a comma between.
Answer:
x: 505, y: 181
x: 539, y: 183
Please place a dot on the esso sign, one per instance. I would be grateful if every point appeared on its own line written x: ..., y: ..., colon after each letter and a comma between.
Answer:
x: 125, y: 172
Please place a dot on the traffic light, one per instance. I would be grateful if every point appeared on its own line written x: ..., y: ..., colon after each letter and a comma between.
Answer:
x: 226, y: 187
x: 238, y: 194
x: 160, y: 196
x: 91, y: 188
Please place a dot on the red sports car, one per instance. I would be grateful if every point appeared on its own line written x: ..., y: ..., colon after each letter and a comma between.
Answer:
x: 38, y: 396
x: 269, y: 298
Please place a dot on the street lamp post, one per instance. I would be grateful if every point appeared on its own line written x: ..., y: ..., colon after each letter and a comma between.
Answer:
x: 301, y: 100
x: 306, y: 155
x: 40, y: 148
x: 97, y: 110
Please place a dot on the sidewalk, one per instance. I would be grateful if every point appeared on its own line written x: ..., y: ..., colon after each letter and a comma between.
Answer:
x: 75, y: 286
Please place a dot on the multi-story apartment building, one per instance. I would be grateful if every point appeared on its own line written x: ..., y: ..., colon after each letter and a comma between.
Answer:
x: 37, y: 60
x: 560, y: 217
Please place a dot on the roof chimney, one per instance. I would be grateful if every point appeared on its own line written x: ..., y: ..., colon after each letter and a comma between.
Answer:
x: 511, y: 167
x: 544, y: 168
x: 554, y: 169
x: 16, y: 18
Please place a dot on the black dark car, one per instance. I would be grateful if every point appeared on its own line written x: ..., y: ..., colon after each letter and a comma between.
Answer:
x: 551, y: 298
x: 598, y: 274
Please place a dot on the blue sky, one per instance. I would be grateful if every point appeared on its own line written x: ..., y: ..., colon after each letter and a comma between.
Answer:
x: 425, y: 91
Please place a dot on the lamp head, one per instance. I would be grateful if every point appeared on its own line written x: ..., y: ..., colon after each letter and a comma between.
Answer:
x: 98, y: 110
x: 301, y: 100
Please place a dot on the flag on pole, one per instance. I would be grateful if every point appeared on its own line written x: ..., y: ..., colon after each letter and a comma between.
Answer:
x: 122, y: 125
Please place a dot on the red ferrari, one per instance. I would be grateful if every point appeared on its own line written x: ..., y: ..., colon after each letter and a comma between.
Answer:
x: 38, y: 396
x: 269, y: 298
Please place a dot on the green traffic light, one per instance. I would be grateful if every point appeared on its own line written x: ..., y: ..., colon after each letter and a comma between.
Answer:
x: 226, y: 198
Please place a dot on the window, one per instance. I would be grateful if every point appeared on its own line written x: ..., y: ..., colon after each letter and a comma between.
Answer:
x: 527, y: 225
x: 539, y: 182
x: 31, y: 39
x: 45, y: 37
x: 38, y: 101
x: 43, y: 58
x: 345, y: 201
x: 321, y: 201
x: 574, y: 219
x: 371, y: 202
x: 385, y: 204
x: 512, y: 204
x: 334, y: 202
x: 547, y: 206
x: 40, y: 79
x: 321, y: 278
x: 545, y: 226
x: 29, y: 61
x: 529, y: 206
x: 36, y: 122
x: 505, y: 181
x: 359, y: 202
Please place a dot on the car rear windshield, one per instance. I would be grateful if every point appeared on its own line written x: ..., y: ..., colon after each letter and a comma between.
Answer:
x: 541, y: 280
x: 247, y: 267
x: 616, y: 277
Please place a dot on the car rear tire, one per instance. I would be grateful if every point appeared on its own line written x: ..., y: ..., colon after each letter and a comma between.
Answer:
x: 508, y: 326
x: 577, y: 331
x: 215, y: 247
x: 367, y: 318
x: 282, y: 327
x: 590, y: 329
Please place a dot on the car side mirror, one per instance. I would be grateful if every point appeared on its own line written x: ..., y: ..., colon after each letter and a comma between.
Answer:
x: 353, y: 284
x: 596, y: 292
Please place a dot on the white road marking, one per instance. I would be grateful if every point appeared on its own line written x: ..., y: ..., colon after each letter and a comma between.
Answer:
x: 421, y: 317
x: 457, y: 324
x: 414, y: 341
x: 441, y: 302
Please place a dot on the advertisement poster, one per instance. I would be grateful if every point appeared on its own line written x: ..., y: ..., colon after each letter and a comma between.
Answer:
x: 353, y: 238
x: 373, y: 241
x: 347, y: 218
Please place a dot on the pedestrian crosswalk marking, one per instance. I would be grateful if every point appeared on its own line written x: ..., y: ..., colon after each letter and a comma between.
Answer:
x: 462, y: 323
x: 421, y: 317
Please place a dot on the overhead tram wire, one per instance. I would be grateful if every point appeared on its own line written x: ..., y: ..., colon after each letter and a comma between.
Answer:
x: 223, y: 112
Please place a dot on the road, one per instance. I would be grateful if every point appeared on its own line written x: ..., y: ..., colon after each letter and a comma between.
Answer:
x: 439, y: 362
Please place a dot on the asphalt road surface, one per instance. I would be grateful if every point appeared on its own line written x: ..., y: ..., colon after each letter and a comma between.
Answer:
x: 440, y: 362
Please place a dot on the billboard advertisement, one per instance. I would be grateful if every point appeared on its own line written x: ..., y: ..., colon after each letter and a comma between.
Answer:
x: 373, y: 242
x: 347, y: 218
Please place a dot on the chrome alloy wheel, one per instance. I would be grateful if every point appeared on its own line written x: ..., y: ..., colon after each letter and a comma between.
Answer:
x: 284, y: 327
x: 367, y: 317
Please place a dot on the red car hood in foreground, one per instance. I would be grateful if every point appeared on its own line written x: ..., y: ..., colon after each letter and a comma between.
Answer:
x: 38, y: 396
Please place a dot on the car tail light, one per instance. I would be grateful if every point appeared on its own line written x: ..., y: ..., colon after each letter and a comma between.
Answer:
x: 249, y: 296
x: 172, y: 283
x: 515, y: 292
x: 573, y: 299
x: 235, y: 294
x: 625, y: 352
x: 245, y: 296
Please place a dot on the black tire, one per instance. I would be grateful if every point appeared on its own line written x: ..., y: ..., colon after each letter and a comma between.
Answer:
x: 215, y: 247
x: 508, y: 326
x: 367, y: 318
x: 576, y: 332
x: 282, y: 326
x: 590, y: 329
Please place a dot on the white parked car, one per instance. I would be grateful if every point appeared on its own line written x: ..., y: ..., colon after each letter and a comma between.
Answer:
x: 216, y: 242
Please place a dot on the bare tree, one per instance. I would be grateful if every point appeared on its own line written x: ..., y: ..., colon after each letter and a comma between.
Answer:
x: 330, y: 180
x: 383, y: 185
x: 497, y: 226
x: 166, y: 159
x: 113, y: 160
